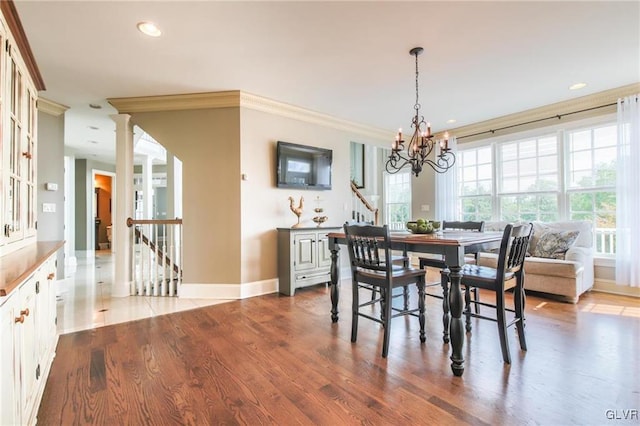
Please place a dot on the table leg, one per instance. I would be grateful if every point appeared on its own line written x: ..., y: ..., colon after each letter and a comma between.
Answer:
x: 334, y: 284
x: 444, y: 278
x: 456, y: 327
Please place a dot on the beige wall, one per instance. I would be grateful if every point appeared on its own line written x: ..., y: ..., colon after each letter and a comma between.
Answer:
x: 207, y: 142
x: 264, y: 206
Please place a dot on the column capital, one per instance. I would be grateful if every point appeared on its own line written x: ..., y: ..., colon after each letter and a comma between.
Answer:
x: 122, y: 119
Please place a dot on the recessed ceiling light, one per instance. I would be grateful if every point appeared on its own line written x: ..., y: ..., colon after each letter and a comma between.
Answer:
x: 149, y: 28
x: 93, y: 128
x: 95, y: 142
x: 577, y: 86
x: 95, y: 106
x: 451, y: 120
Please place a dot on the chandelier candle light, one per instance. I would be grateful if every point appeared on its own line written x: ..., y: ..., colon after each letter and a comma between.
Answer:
x: 421, y: 143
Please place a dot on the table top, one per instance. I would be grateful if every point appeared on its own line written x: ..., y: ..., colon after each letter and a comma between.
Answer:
x: 440, y: 238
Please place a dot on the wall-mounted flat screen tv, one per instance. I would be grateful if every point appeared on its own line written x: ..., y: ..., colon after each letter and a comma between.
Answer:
x: 303, y: 167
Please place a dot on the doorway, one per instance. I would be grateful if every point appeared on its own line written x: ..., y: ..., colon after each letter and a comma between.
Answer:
x: 103, y: 211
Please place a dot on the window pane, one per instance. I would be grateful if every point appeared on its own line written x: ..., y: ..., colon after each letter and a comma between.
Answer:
x: 605, y: 155
x: 581, y: 160
x: 469, y: 188
x: 548, y: 182
x: 548, y: 164
x: 528, y: 184
x: 605, y: 136
x: 484, y: 187
x: 469, y: 157
x: 509, y: 151
x: 485, y: 171
x: 469, y: 174
x: 510, y: 185
x: 527, y: 149
x: 580, y: 140
x: 547, y: 146
x: 484, y: 155
x: 509, y: 169
x: 581, y: 179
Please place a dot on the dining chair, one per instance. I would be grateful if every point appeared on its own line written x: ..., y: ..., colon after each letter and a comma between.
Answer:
x: 508, y: 274
x: 438, y: 262
x: 372, y: 267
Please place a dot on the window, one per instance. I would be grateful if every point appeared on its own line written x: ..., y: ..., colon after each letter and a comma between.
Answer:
x: 475, y: 177
x: 557, y: 174
x: 397, y: 195
x: 592, y: 181
x: 528, y: 179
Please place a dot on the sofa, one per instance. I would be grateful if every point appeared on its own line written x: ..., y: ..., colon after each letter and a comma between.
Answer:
x: 559, y: 261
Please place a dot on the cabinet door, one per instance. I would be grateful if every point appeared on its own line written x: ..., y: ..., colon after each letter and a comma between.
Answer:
x: 324, y: 254
x: 25, y: 334
x: 45, y: 311
x: 9, y: 366
x: 304, y: 251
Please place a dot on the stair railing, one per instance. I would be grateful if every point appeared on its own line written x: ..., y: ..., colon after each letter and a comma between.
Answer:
x: 157, y: 256
x: 362, y: 211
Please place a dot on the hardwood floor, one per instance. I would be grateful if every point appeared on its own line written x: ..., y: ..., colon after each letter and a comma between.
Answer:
x: 279, y: 360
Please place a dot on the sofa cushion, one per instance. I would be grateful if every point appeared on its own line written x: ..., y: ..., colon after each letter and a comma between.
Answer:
x: 540, y: 266
x: 585, y: 239
x: 554, y: 244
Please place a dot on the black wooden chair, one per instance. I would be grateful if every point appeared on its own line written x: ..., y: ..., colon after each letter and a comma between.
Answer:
x: 438, y: 262
x: 508, y: 274
x: 372, y: 267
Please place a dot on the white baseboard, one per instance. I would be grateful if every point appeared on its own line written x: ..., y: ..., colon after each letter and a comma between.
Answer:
x: 228, y: 291
x: 123, y: 290
x: 610, y: 286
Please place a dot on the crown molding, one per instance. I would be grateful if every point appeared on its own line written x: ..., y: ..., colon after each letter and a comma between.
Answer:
x: 259, y: 103
x: 239, y: 99
x: 593, y: 102
x: 228, y: 99
x: 8, y: 9
x: 50, y: 107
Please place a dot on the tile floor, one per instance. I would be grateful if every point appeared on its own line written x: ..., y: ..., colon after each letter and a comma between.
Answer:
x: 84, y: 298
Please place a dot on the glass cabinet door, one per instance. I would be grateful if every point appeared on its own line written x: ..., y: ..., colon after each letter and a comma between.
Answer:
x: 17, y: 153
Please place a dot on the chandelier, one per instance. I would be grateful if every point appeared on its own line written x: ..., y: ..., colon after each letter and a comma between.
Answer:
x: 421, y: 144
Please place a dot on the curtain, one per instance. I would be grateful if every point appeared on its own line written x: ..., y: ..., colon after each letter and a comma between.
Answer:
x: 628, y: 193
x: 447, y: 190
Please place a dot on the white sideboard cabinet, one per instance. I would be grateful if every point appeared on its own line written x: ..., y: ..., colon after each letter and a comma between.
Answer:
x: 27, y: 328
x: 304, y: 258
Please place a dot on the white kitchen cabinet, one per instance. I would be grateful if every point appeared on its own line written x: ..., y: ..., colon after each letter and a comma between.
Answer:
x: 28, y: 329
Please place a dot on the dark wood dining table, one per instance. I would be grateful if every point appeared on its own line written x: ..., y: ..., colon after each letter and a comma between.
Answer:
x: 453, y: 245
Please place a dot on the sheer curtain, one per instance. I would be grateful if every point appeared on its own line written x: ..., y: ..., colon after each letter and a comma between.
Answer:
x: 447, y: 190
x: 628, y: 193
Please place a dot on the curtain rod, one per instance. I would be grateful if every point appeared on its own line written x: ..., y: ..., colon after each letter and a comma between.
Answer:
x: 558, y: 116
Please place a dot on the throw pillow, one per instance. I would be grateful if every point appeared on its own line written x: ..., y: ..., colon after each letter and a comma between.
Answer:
x: 554, y: 244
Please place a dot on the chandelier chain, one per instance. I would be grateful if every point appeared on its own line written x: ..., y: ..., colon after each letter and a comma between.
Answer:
x: 417, y: 105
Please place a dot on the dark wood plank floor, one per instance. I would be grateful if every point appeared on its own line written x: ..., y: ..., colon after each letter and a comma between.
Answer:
x: 279, y: 360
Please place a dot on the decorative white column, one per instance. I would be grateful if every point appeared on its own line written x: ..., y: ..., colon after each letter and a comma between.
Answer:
x: 121, y: 233
x: 147, y: 188
x: 174, y: 187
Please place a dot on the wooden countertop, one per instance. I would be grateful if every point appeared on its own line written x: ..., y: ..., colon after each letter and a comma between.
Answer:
x: 15, y: 267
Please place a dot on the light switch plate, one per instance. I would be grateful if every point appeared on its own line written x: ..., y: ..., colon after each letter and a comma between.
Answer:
x: 48, y: 207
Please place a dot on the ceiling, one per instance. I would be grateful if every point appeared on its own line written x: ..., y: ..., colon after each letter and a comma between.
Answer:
x: 348, y: 59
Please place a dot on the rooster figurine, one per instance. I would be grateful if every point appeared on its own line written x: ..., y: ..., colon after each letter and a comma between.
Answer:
x: 296, y: 210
